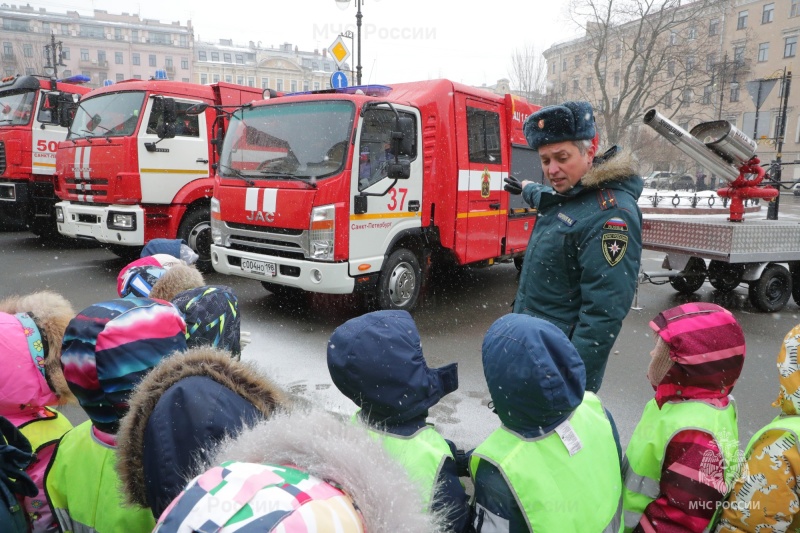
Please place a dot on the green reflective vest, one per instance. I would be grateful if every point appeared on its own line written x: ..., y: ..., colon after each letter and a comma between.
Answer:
x: 422, y: 455
x: 557, y: 491
x: 641, y: 467
x: 83, y: 488
x: 44, y: 431
x: 788, y: 423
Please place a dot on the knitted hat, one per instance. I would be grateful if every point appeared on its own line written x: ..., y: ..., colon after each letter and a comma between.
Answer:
x: 376, y: 360
x: 162, y: 261
x: 570, y: 121
x: 707, y: 347
x: 138, y: 281
x: 109, y: 346
x: 212, y: 317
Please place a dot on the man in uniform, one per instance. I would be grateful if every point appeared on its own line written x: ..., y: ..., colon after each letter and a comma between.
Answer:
x: 582, y: 262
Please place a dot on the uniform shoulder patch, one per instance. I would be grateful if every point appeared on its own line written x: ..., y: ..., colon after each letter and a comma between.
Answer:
x: 606, y: 199
x: 614, y: 247
x: 615, y: 224
x: 566, y: 219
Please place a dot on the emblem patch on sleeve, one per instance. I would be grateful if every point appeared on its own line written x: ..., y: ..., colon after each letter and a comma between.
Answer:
x: 614, y: 247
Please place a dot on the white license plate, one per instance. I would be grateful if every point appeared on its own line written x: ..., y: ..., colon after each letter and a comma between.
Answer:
x: 258, y: 267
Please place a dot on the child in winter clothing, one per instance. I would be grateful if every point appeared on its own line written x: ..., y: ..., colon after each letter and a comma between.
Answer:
x: 301, y: 471
x: 376, y: 360
x: 179, y: 412
x: 683, y: 453
x: 31, y: 383
x: 107, y: 349
x: 553, y: 465
x: 766, y: 497
x: 175, y: 280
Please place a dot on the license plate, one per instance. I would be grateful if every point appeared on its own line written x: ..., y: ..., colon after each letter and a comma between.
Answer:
x: 258, y: 267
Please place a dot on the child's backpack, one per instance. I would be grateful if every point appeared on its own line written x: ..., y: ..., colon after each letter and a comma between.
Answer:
x: 15, y: 456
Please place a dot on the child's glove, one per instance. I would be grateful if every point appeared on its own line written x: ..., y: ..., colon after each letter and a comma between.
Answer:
x: 244, y: 338
x: 513, y: 185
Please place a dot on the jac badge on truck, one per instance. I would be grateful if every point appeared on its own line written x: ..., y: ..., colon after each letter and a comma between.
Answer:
x: 486, y: 179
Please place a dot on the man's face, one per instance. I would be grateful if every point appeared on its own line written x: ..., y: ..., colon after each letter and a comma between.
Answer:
x: 564, y: 165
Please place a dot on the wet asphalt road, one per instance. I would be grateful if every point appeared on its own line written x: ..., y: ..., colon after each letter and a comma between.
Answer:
x: 289, y: 338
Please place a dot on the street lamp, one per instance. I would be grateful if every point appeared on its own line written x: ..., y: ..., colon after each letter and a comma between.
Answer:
x: 349, y: 35
x: 54, y: 53
x: 343, y: 4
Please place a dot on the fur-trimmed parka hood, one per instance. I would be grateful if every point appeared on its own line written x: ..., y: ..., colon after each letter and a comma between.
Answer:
x: 51, y: 313
x: 334, y: 449
x: 177, y: 279
x: 179, y: 411
x: 614, y: 167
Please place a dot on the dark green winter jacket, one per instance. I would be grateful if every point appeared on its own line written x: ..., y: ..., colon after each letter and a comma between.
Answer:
x: 582, y: 261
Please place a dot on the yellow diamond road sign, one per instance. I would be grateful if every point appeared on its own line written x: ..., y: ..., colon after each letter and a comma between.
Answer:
x: 339, y: 51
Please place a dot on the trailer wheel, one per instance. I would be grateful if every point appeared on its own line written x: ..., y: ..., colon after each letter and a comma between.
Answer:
x: 794, y: 268
x: 195, y: 229
x: 691, y: 277
x: 400, y: 281
x: 771, y: 291
x: 518, y: 262
x: 725, y: 276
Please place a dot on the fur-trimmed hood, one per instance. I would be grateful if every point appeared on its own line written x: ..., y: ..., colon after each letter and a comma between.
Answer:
x: 177, y: 279
x: 337, y: 450
x: 51, y: 313
x: 612, y: 168
x: 206, y: 396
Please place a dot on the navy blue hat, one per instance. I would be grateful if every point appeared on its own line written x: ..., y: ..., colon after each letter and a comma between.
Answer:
x: 376, y: 361
x: 570, y: 121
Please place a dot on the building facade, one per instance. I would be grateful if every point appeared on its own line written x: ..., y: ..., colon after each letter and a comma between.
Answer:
x: 701, y: 67
x: 101, y: 47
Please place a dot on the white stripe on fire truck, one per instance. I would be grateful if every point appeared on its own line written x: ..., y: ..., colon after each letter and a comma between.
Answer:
x: 495, y: 180
x: 269, y: 200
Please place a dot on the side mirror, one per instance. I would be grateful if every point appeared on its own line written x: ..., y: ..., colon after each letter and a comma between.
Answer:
x: 169, y: 115
x: 65, y: 115
x: 399, y: 171
x: 93, y: 122
x: 53, y: 99
x: 403, y: 137
x: 45, y: 116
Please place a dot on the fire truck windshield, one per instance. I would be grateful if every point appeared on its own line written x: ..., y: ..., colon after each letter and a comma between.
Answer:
x: 288, y: 141
x: 16, y: 108
x: 108, y: 115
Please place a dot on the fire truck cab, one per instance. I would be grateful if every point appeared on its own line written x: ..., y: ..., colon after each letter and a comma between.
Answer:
x: 136, y: 166
x: 366, y: 189
x: 35, y: 113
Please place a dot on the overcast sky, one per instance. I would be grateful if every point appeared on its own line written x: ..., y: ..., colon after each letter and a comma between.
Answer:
x: 403, y: 40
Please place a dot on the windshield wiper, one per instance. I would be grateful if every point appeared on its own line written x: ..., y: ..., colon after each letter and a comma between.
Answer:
x: 239, y: 174
x: 285, y: 175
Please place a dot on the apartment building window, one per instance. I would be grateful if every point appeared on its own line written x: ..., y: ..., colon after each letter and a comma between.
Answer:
x: 151, y: 60
x: 734, y: 92
x: 203, y: 79
x: 265, y: 83
x: 239, y: 80
x: 688, y: 96
x: 45, y: 27
x: 690, y: 63
x: 713, y: 27
x: 738, y: 53
x: 563, y: 88
x: 134, y: 36
x: 279, y: 85
x: 790, y: 47
x: 670, y: 67
x: 763, y: 52
x: 101, y: 57
x: 117, y: 58
x: 795, y: 9
x: 564, y: 65
x: 673, y: 37
x: 67, y: 73
x: 226, y: 57
x: 215, y: 77
x: 251, y: 81
x: 229, y: 78
x: 160, y: 38
x: 692, y: 32
x: 708, y: 90
x: 65, y: 53
x: 588, y: 84
x: 65, y: 29
x: 118, y: 37
x: 185, y: 63
x: 640, y: 44
x: 92, y: 32
x: 136, y: 59
x: 168, y: 62
x: 768, y: 13
x: 711, y: 60
x: 214, y: 56
x: 575, y: 85
x: 120, y: 77
x: 668, y: 100
x: 239, y: 59
x: 293, y: 86
x: 84, y: 54
x: 27, y: 50
x: 201, y: 55
x: 183, y: 40
x: 577, y: 61
x: 15, y: 25
x: 305, y: 86
x: 617, y: 51
x: 741, y: 22
x: 137, y: 76
x: 616, y: 78
x: 316, y: 86
x: 614, y: 102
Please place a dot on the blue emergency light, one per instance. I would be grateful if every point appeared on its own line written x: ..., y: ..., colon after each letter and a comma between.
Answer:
x: 161, y: 75
x: 76, y: 79
x: 106, y: 83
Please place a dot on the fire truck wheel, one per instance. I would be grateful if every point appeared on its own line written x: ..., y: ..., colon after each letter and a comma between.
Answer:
x: 725, y: 276
x: 195, y: 229
x: 691, y: 277
x: 400, y: 281
x: 771, y: 291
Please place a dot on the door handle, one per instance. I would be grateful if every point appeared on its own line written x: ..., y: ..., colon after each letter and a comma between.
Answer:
x: 201, y: 160
x: 495, y: 205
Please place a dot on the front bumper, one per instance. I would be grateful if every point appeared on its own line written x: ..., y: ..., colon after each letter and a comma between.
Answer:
x: 15, y: 201
x: 91, y: 222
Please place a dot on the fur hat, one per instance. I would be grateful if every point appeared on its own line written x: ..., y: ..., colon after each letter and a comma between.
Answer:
x: 109, y: 346
x: 570, y: 121
x: 51, y: 313
x: 176, y: 280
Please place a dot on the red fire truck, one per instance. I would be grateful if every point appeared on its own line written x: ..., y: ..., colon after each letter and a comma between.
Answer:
x: 34, y: 115
x: 135, y: 166
x: 365, y: 189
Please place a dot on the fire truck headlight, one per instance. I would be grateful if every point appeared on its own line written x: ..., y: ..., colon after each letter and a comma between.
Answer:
x: 59, y: 214
x: 122, y: 221
x: 322, y: 233
x: 216, y: 225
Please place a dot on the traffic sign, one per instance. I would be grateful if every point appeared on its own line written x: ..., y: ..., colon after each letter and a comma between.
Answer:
x: 339, y: 80
x: 339, y: 51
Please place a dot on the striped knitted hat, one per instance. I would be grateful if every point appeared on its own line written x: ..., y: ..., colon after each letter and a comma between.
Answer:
x: 707, y: 346
x: 109, y: 346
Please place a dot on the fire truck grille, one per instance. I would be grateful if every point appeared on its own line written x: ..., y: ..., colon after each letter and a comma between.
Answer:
x: 264, y: 251
x: 93, y: 188
x: 279, y: 231
x: 2, y: 158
